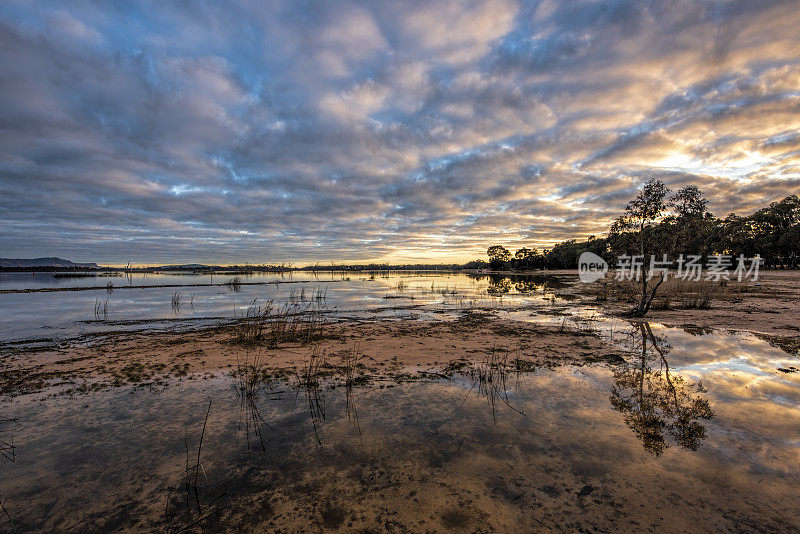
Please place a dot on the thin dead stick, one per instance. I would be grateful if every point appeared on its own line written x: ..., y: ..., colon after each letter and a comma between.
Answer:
x: 200, y: 446
x: 197, y: 465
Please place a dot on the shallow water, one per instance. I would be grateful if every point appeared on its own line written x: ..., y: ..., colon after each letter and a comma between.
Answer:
x: 60, y: 315
x: 693, y: 431
x: 555, y: 448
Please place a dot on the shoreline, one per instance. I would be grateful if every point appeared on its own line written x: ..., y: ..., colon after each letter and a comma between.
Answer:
x: 395, y: 350
x: 525, y: 411
x: 190, y: 345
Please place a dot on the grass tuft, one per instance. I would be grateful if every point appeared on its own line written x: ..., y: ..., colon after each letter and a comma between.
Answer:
x: 294, y: 322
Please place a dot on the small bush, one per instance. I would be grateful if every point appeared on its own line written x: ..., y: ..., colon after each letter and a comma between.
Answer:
x: 683, y: 294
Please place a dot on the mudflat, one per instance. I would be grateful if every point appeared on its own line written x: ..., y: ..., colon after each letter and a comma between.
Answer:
x: 537, y: 406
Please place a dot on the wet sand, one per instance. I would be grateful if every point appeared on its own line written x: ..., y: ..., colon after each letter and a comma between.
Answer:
x: 418, y: 456
x: 399, y: 349
x: 394, y: 347
x: 769, y: 306
x: 473, y: 423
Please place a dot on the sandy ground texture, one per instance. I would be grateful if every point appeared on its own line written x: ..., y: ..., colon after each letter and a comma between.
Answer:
x: 769, y: 306
x: 399, y: 349
x: 539, y: 471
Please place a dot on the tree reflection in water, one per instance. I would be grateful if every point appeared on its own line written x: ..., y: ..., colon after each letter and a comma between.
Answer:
x: 500, y: 285
x: 528, y: 286
x: 655, y: 403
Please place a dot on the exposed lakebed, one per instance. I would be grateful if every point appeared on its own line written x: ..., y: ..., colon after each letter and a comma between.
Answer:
x: 689, y: 430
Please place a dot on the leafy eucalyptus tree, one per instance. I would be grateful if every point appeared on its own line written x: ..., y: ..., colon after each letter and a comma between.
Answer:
x: 499, y: 257
x: 640, y: 218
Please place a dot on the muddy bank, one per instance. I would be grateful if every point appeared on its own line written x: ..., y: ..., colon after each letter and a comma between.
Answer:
x: 475, y: 423
x: 769, y: 306
x: 394, y: 349
x: 572, y: 448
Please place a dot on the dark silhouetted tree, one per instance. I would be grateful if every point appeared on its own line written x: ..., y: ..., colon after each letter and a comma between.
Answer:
x: 499, y: 257
x: 641, y: 215
x: 525, y: 258
x: 688, y: 202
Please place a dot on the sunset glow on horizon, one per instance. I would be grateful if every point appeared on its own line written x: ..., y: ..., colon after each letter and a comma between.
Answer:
x: 354, y: 132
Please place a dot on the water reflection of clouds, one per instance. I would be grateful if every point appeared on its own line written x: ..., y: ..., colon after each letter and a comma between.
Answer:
x: 424, y: 435
x: 567, y: 413
x: 66, y: 311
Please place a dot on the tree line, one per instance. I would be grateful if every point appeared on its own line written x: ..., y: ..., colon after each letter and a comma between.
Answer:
x: 658, y: 221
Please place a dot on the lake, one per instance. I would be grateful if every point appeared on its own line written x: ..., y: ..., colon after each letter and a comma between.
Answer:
x: 694, y: 430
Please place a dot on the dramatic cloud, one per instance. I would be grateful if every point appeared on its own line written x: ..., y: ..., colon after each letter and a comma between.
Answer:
x: 366, y: 130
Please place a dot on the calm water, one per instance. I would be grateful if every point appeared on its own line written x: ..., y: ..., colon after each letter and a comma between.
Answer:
x: 567, y: 451
x: 62, y: 315
x: 694, y: 431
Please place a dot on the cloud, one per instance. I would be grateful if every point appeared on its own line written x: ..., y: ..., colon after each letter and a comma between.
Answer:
x: 283, y: 131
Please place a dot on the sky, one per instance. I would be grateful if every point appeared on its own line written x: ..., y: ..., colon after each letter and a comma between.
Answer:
x: 355, y: 131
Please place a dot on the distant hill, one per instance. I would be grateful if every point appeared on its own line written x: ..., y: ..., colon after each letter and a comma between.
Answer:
x: 185, y: 266
x: 43, y: 262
